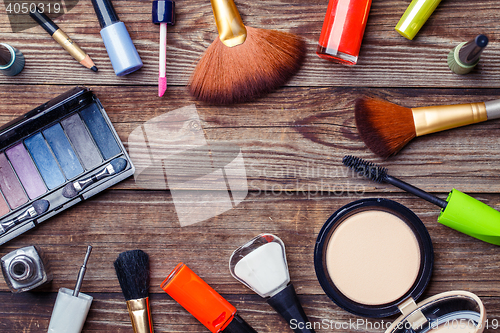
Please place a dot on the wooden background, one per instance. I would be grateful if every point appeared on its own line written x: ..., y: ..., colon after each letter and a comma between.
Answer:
x: 286, y: 137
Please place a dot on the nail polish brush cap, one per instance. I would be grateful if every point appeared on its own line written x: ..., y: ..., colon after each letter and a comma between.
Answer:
x: 121, y: 50
x: 465, y: 56
x: 105, y: 12
x: 72, y: 306
x: 163, y: 12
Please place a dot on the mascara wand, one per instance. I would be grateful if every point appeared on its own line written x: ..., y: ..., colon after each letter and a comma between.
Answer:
x: 459, y: 211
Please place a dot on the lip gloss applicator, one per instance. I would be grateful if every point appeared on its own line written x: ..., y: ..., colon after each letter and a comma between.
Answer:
x: 204, y: 303
x: 163, y: 13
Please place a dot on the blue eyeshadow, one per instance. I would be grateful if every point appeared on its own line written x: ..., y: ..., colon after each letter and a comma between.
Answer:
x: 63, y: 151
x: 44, y: 161
x: 101, y: 132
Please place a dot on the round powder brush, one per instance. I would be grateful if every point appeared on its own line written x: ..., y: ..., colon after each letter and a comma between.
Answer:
x: 261, y: 265
x: 132, y: 270
x: 244, y: 62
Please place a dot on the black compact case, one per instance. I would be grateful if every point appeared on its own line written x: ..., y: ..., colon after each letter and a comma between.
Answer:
x: 55, y: 156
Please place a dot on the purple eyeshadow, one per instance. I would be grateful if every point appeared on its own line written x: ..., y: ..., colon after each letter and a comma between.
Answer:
x: 26, y: 170
x: 10, y: 185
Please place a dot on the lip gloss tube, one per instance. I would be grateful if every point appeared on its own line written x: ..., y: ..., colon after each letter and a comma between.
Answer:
x: 343, y: 30
x: 204, y: 303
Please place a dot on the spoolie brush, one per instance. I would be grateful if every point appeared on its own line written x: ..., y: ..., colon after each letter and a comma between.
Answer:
x: 132, y: 270
x: 243, y: 62
x: 386, y: 127
x: 460, y: 211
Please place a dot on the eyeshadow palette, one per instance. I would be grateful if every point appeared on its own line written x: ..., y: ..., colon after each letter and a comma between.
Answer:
x: 55, y: 156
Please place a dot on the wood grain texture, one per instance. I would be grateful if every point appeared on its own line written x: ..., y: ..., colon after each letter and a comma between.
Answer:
x: 386, y: 59
x: 292, y: 142
x: 148, y: 221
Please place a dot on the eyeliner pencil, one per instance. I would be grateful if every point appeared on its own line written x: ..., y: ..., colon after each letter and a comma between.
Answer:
x: 63, y: 39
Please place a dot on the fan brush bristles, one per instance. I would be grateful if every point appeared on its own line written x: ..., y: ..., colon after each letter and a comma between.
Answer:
x: 364, y: 168
x: 132, y: 270
x: 384, y: 127
x: 264, y: 62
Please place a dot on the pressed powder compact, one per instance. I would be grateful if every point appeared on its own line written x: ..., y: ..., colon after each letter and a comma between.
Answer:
x: 374, y: 258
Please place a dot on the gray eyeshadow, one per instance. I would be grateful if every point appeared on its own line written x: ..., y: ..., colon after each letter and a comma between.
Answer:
x: 82, y: 142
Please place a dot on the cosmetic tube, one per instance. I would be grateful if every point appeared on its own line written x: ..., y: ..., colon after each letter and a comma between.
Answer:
x: 11, y: 60
x: 415, y: 17
x: 343, y: 30
x: 72, y: 306
x: 70, y: 312
x: 204, y: 303
x: 465, y: 56
x: 119, y: 45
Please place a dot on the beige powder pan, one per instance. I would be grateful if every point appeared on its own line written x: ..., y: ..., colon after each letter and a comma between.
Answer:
x: 374, y: 258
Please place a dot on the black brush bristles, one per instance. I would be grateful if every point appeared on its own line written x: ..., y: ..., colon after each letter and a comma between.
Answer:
x: 364, y: 168
x: 132, y: 270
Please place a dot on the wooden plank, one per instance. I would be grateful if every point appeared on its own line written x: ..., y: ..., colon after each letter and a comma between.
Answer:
x: 118, y: 220
x: 294, y: 139
x: 123, y: 220
x: 386, y: 59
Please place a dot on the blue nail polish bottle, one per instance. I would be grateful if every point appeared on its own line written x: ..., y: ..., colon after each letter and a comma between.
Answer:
x: 121, y: 49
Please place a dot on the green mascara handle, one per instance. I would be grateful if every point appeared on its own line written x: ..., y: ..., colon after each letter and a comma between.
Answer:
x: 472, y: 217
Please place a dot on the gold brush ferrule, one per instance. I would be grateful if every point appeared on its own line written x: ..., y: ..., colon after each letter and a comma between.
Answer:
x: 69, y: 45
x: 140, y: 315
x: 432, y: 119
x: 232, y: 31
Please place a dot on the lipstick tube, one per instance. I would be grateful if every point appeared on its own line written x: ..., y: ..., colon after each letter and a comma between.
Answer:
x: 11, y: 60
x: 203, y: 302
x: 343, y: 30
x: 415, y: 16
x: 119, y: 45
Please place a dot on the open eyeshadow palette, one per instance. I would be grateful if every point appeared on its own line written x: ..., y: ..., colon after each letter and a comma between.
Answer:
x: 55, y: 156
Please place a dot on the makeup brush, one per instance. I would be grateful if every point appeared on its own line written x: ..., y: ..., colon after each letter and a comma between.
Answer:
x: 459, y: 211
x: 37, y: 207
x: 115, y: 166
x: 244, y: 62
x: 463, y: 58
x: 386, y: 127
x: 261, y: 265
x: 132, y: 270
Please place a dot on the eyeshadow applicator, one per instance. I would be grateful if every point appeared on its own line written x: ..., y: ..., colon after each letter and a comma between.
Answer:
x: 37, y: 208
x: 114, y: 167
x: 132, y: 270
x: 459, y: 211
x: 261, y: 265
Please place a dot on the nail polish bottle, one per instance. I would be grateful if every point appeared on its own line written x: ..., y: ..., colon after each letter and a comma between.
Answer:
x: 121, y: 50
x: 11, y: 60
x: 25, y: 269
x: 343, y: 30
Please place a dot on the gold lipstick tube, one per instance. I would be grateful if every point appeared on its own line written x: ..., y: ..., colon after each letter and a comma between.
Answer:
x: 232, y: 31
x: 140, y: 315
